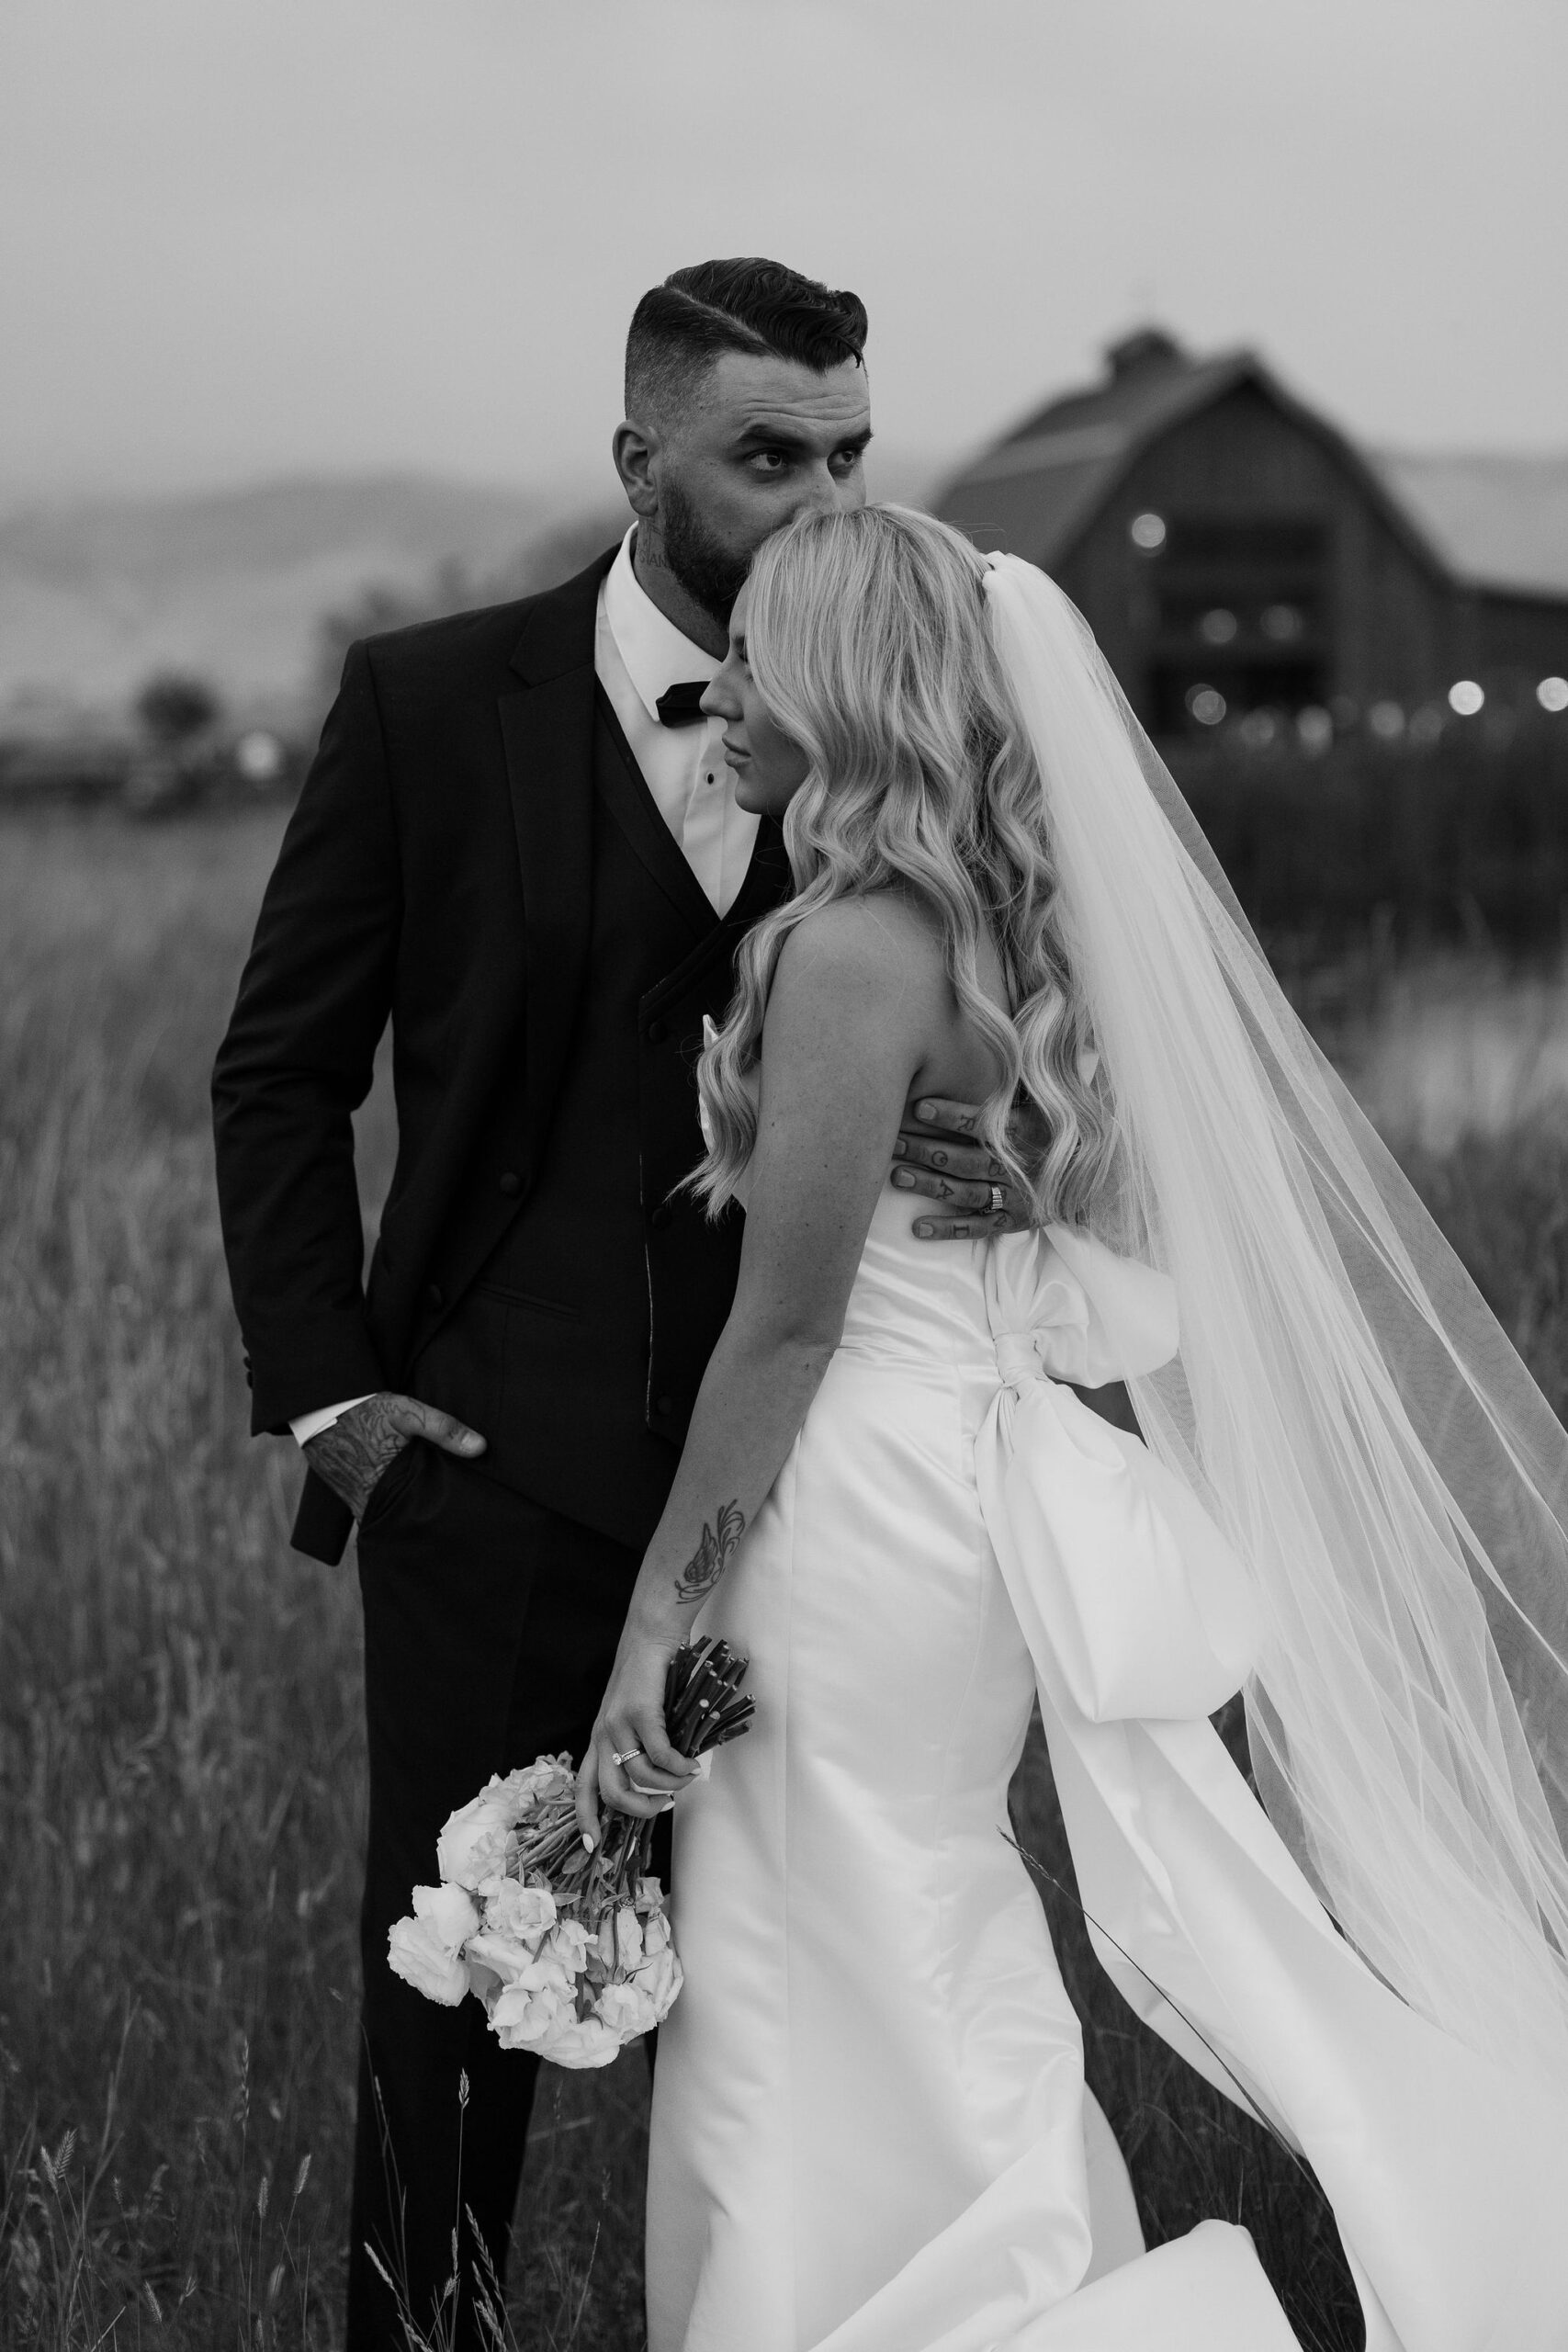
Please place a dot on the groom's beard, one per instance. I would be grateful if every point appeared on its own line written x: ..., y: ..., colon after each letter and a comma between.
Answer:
x: 708, y: 573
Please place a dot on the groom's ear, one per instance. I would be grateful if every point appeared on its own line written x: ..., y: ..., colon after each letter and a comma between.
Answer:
x: 635, y: 449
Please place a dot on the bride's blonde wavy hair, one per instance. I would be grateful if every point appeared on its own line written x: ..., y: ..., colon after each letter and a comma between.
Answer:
x: 867, y: 640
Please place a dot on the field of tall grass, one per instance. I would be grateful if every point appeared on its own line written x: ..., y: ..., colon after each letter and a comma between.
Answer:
x: 181, y: 1778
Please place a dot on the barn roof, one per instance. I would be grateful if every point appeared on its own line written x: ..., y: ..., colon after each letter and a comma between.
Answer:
x: 1041, y: 486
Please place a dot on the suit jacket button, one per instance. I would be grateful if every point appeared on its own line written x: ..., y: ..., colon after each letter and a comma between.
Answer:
x: 664, y: 1404
x: 433, y: 1294
x: 511, y: 1184
x: 661, y: 1216
x: 657, y: 1031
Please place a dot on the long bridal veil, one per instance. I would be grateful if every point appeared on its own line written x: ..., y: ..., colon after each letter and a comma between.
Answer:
x: 1343, y: 1402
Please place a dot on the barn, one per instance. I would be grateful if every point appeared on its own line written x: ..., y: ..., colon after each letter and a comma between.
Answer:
x: 1244, y: 567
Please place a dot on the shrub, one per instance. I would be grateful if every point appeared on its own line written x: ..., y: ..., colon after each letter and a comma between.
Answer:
x: 1465, y: 838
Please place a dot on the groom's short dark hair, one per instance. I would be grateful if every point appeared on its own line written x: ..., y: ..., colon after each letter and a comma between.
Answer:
x: 680, y: 328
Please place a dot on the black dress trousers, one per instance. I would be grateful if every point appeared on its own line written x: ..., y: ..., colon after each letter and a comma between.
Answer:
x: 491, y: 1625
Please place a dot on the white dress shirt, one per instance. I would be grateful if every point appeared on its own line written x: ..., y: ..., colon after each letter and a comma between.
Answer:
x: 637, y: 656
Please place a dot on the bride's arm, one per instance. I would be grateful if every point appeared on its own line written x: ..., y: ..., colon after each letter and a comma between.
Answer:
x: 857, y: 997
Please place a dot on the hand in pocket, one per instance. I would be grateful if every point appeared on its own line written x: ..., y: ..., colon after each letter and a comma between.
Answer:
x: 356, y: 1452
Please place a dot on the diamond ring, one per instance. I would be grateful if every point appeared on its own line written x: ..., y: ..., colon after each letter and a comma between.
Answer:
x: 618, y: 1756
x: 998, y: 1200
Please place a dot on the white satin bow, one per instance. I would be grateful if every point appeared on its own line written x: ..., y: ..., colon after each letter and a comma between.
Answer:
x: 1119, y: 1576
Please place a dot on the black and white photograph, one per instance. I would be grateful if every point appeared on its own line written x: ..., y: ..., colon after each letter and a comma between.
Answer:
x: 784, y: 1176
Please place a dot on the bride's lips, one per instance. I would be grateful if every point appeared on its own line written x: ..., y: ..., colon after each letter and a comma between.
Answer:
x: 733, y: 754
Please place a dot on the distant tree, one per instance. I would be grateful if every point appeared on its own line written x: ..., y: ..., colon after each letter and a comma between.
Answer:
x: 559, y: 553
x: 174, y: 707
x: 565, y: 547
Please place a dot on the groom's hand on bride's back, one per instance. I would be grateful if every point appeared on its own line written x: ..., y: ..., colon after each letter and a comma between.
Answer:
x: 936, y: 1158
x: 354, y: 1453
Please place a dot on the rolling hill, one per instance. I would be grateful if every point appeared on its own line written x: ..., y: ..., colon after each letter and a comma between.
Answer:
x: 95, y: 595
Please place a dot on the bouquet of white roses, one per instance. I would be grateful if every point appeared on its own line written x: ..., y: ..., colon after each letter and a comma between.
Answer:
x: 569, y: 1951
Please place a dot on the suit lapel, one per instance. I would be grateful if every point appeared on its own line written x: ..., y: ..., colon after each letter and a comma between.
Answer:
x: 767, y: 881
x: 624, y: 790
x: 547, y: 732
x: 768, y: 877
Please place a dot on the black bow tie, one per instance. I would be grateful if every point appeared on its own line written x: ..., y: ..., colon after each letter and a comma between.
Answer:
x: 681, y: 706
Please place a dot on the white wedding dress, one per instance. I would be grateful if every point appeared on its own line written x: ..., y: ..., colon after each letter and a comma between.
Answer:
x: 868, y: 2129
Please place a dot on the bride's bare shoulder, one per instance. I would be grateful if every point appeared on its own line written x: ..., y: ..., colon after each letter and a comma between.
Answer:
x: 876, y: 940
x: 855, y: 1002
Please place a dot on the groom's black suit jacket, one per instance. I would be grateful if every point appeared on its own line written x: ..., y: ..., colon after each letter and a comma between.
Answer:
x: 472, y: 832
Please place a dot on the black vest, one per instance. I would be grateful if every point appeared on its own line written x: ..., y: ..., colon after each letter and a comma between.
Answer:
x: 579, y: 1346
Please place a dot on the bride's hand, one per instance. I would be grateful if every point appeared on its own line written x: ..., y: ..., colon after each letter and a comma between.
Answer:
x: 630, y: 1764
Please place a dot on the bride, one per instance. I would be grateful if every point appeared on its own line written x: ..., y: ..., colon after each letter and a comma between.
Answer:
x: 868, y: 2129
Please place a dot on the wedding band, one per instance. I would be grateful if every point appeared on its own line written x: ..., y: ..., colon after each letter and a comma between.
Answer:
x: 617, y: 1757
x: 998, y: 1200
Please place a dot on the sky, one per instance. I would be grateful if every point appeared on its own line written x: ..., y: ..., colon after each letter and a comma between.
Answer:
x: 247, y: 238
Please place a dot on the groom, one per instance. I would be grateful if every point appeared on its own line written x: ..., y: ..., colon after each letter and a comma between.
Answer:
x: 519, y: 842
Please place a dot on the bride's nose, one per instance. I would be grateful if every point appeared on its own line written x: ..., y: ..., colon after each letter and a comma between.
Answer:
x: 720, y: 701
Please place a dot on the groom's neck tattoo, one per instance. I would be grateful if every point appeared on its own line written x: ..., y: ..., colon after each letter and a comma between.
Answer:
x: 710, y: 1560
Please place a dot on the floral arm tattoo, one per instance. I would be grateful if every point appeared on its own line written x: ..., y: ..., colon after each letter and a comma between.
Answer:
x: 710, y: 1560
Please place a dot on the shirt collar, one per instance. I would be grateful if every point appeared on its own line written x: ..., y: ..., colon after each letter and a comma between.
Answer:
x: 656, y: 655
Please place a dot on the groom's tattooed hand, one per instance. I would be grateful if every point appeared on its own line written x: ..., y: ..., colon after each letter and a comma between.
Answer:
x: 934, y: 1156
x: 710, y: 1560
x: 352, y: 1454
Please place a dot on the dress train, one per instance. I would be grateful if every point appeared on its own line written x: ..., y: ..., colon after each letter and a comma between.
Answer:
x: 869, y: 2128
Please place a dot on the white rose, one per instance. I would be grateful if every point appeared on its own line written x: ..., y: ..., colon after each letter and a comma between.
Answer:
x: 472, y: 1847
x: 660, y: 1979
x: 449, y: 1912
x: 502, y: 1954
x: 583, y: 2041
x: 628, y: 1937
x: 656, y: 1934
x: 483, y: 1982
x: 521, y: 2019
x: 572, y: 1943
x: 508, y: 2023
x: 547, y: 1779
x: 417, y: 1954
x: 547, y: 1969
x: 525, y: 1912
x: 626, y: 2010
x: 509, y: 2011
